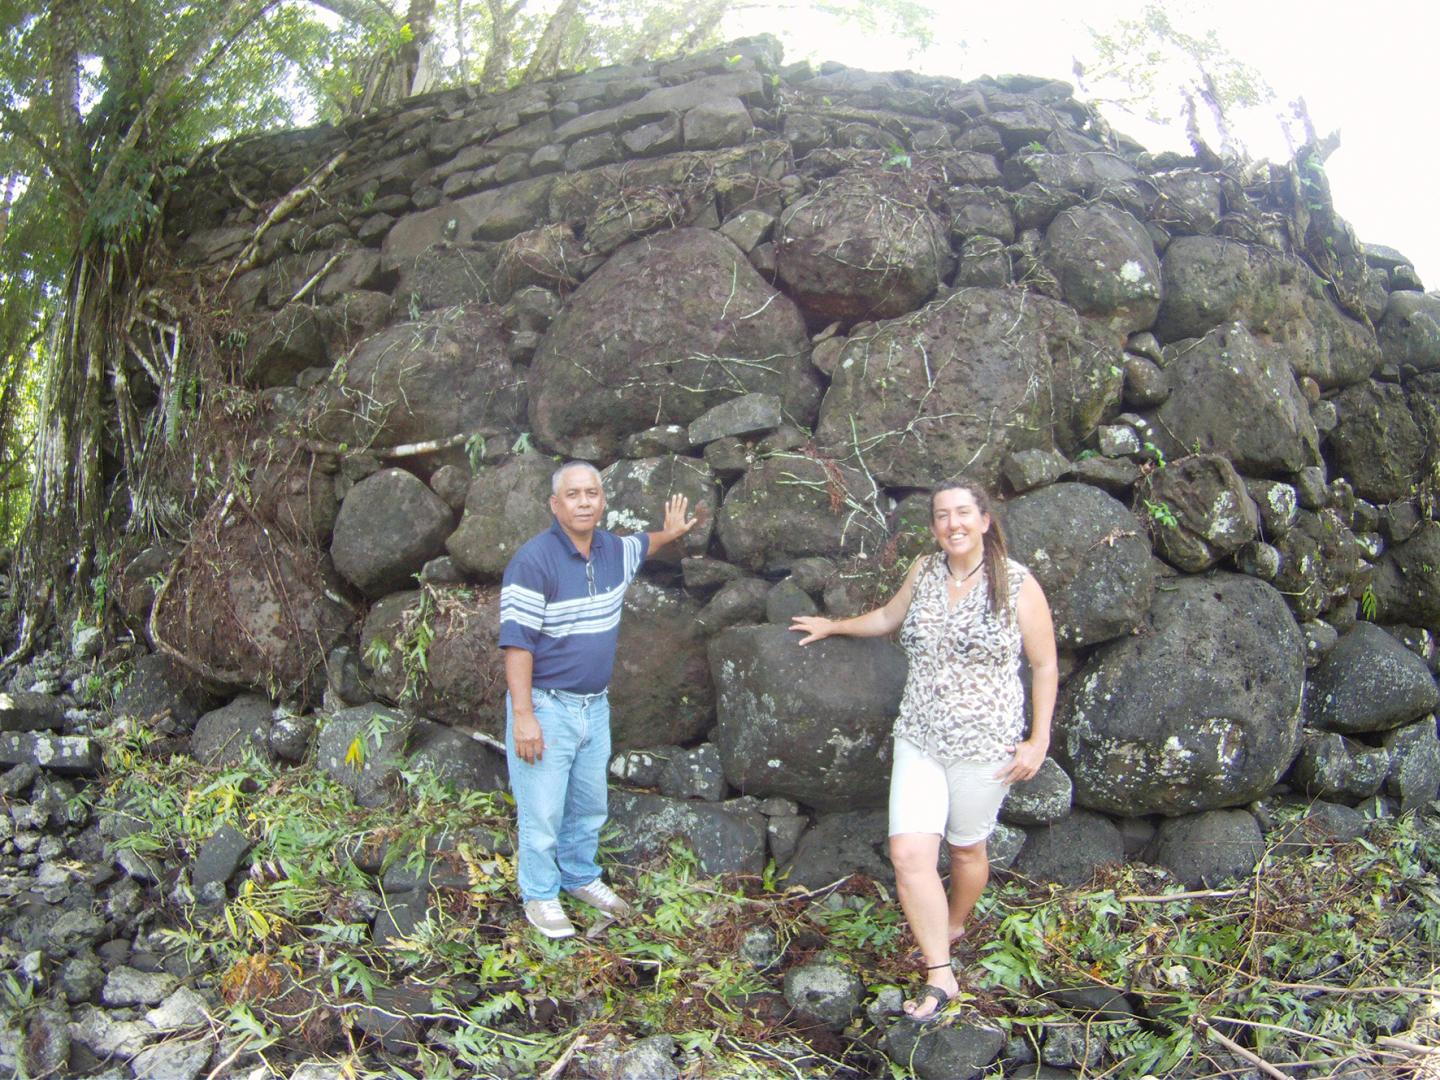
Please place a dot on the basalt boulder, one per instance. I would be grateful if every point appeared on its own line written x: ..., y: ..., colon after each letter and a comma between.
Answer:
x: 1200, y: 710
x: 964, y: 381
x: 808, y: 723
x: 1090, y: 555
x: 864, y: 245
x: 506, y: 505
x: 1369, y: 682
x: 1199, y: 511
x: 1378, y: 446
x: 1106, y: 266
x: 636, y: 493
x: 671, y: 702
x: 669, y: 327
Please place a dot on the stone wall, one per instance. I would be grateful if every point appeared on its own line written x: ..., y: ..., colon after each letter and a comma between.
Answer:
x: 801, y: 298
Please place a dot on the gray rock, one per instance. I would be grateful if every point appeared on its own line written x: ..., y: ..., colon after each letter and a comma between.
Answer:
x: 975, y: 354
x: 399, y: 914
x: 760, y: 948
x: 748, y: 229
x: 748, y: 414
x: 1320, y: 563
x: 1201, y: 710
x: 1145, y: 385
x: 826, y: 989
x: 711, y: 124
x: 1331, y: 766
x: 291, y: 735
x: 182, y: 1009
x: 1409, y: 331
x: 740, y: 601
x: 1369, y: 682
x: 1044, y: 798
x: 1070, y: 850
x: 784, y: 508
x: 1004, y: 846
x: 441, y: 571
x: 505, y: 507
x: 610, y: 362
x: 782, y: 835
x: 880, y: 212
x: 1333, y: 821
x: 650, y: 1058
x: 15, y: 782
x: 811, y: 724
x: 362, y: 749
x: 725, y: 841
x: 220, y: 857
x: 636, y: 493
x: 787, y: 600
x: 389, y: 526
x: 1117, y: 440
x: 1378, y: 445
x: 21, y: 710
x: 1258, y: 560
x: 105, y: 1036
x: 75, y: 931
x: 953, y: 1051
x: 694, y: 774
x: 656, y: 441
x: 223, y: 737
x: 1027, y: 469
x: 1071, y: 1046
x: 1414, y: 774
x: 127, y: 986
x: 75, y: 754
x: 642, y: 768
x: 80, y: 978
x: 1106, y: 266
x: 456, y: 758
x: 1202, y: 850
x: 654, y: 704
x: 841, y: 844
x: 172, y: 1061
x: 1088, y: 554
x: 1199, y: 511
x: 701, y: 574
x: 1234, y: 396
x: 1407, y: 579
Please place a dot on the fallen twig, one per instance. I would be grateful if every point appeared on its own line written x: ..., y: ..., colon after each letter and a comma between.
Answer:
x: 1238, y: 1050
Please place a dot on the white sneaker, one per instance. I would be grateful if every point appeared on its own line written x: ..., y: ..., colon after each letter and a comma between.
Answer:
x: 599, y: 895
x: 549, y: 918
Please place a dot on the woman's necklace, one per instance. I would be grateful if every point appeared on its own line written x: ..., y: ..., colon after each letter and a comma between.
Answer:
x: 966, y: 577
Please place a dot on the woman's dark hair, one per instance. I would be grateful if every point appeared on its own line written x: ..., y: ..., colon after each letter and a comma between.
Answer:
x: 995, y: 551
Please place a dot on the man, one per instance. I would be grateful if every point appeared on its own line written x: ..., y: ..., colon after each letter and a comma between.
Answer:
x: 559, y: 621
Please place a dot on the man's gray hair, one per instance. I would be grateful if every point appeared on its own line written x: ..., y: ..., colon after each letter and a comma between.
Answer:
x: 556, y: 476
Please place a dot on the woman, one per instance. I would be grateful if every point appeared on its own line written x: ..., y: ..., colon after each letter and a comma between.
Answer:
x: 963, y: 614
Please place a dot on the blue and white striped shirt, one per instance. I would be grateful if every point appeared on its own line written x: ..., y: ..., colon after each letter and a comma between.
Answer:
x: 565, y: 610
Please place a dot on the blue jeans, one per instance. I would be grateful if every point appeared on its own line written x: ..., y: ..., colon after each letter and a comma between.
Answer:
x: 561, y: 800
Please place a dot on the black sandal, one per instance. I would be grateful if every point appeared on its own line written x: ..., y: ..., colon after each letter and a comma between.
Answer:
x: 929, y: 992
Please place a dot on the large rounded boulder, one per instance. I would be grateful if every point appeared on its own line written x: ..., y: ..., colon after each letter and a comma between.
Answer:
x: 1089, y: 554
x: 789, y: 506
x: 811, y: 724
x: 1235, y: 396
x: 1369, y: 681
x: 864, y: 245
x: 965, y: 380
x: 504, y: 507
x: 446, y: 374
x: 668, y: 328
x: 1106, y: 265
x: 1200, y: 710
x: 390, y: 525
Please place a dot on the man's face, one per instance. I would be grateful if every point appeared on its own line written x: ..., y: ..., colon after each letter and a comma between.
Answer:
x: 578, y: 504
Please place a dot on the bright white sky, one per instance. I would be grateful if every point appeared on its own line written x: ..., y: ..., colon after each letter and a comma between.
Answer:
x: 1370, y: 71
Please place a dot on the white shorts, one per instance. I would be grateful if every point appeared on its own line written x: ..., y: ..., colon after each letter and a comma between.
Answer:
x: 959, y: 801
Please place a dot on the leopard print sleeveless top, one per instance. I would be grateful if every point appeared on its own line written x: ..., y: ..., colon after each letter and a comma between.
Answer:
x: 963, y: 700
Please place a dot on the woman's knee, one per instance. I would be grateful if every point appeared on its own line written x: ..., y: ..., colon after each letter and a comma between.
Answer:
x: 914, y: 853
x: 976, y: 854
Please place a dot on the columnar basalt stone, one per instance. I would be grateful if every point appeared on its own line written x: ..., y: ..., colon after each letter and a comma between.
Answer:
x: 1201, y: 710
x: 506, y: 506
x: 957, y: 385
x: 668, y: 328
x: 1090, y: 555
x: 812, y: 723
x: 864, y: 245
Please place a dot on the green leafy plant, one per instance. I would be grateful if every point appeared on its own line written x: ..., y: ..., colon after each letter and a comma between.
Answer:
x: 1161, y: 513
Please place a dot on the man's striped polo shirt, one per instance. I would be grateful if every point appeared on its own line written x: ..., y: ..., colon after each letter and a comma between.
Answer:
x: 565, y: 609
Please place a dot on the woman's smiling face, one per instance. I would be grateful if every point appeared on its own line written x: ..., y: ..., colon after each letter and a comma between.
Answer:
x: 958, y: 523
